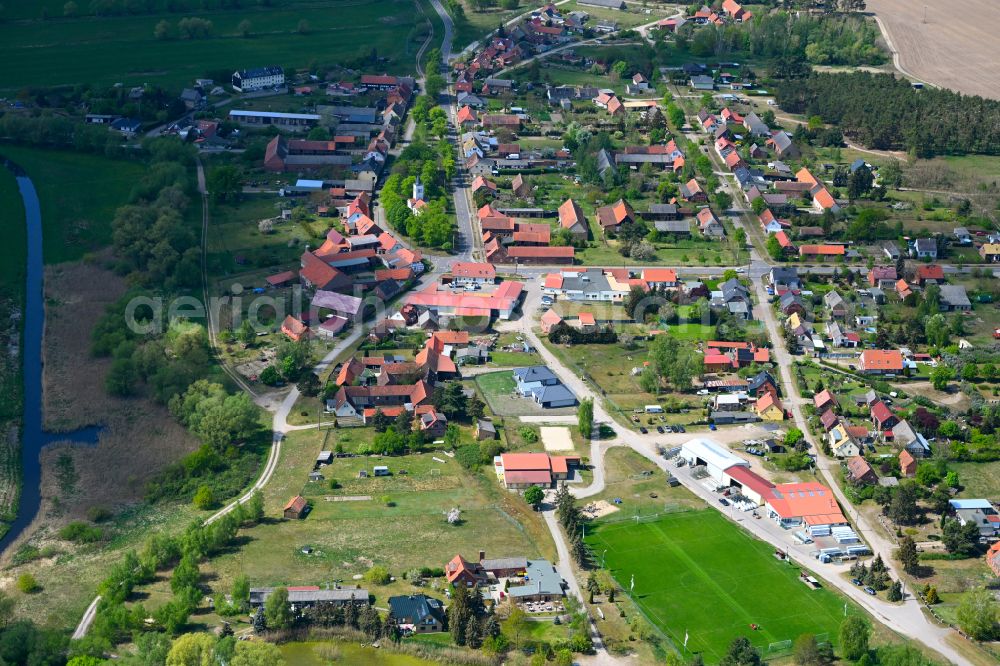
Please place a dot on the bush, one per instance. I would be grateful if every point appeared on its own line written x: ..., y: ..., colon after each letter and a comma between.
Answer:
x: 81, y: 533
x: 98, y: 514
x: 468, y: 456
x: 204, y: 498
x: 528, y: 434
x: 27, y: 583
x: 377, y: 575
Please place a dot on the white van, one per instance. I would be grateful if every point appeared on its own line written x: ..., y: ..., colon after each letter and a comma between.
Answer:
x: 653, y: 409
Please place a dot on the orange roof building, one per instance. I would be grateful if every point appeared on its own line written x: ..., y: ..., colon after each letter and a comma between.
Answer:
x: 296, y: 508
x: 993, y: 558
x: 613, y: 216
x: 466, y: 115
x: 880, y: 361
x: 294, y: 328
x: 769, y: 408
x: 930, y: 273
x: 824, y: 400
x: 549, y: 320
x: 660, y: 277
x: 572, y: 218
x: 822, y: 251
x: 523, y: 470
x: 470, y: 271
x: 810, y: 503
x: 907, y: 464
x: 823, y: 200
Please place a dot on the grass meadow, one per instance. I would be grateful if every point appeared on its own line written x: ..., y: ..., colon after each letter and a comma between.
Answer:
x: 70, y: 51
x: 695, y: 572
x: 12, y: 253
x: 79, y: 194
x: 348, y: 536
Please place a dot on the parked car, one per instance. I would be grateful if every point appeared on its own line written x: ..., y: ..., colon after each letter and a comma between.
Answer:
x: 856, y: 581
x: 643, y: 430
x: 680, y: 428
x: 723, y: 501
x: 659, y: 429
x: 870, y: 590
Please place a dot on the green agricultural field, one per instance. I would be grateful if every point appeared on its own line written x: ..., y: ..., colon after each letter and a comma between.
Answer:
x: 88, y: 49
x: 698, y: 573
x: 79, y: 194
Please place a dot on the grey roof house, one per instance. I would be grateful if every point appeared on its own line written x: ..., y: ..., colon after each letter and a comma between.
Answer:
x: 954, y: 297
x: 417, y: 613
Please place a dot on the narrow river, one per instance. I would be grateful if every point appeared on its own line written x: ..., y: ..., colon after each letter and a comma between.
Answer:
x: 34, y: 437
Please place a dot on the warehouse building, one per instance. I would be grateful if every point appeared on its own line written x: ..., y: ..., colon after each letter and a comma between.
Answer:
x: 713, y: 457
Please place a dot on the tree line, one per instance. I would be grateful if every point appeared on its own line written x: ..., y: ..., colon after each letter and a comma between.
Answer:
x: 157, y: 248
x: 882, y: 112
x: 116, y: 623
x: 817, y: 39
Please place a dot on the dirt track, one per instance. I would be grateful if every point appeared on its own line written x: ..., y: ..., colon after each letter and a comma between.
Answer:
x: 954, y: 48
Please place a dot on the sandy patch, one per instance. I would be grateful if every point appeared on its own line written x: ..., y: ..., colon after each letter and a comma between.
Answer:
x: 556, y: 438
x: 599, y: 509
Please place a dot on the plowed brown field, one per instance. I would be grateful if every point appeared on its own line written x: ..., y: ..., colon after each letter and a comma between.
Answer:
x: 954, y: 48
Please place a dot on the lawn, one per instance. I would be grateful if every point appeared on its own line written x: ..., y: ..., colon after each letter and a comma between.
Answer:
x: 511, y: 359
x: 698, y: 574
x: 629, y: 18
x: 347, y: 536
x: 79, y: 194
x: 978, y: 479
x: 89, y: 49
x: 498, y: 392
x: 640, y: 493
x: 609, y: 368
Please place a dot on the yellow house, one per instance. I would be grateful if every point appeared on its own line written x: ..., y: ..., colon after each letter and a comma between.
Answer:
x: 769, y: 408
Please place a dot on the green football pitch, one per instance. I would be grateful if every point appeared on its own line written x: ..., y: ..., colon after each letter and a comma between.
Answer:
x: 697, y: 573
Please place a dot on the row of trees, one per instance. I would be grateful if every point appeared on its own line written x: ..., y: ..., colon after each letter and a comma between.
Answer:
x: 572, y: 520
x: 190, y: 27
x: 278, y: 614
x: 61, y: 132
x: 115, y: 623
x: 159, y: 250
x: 886, y: 113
